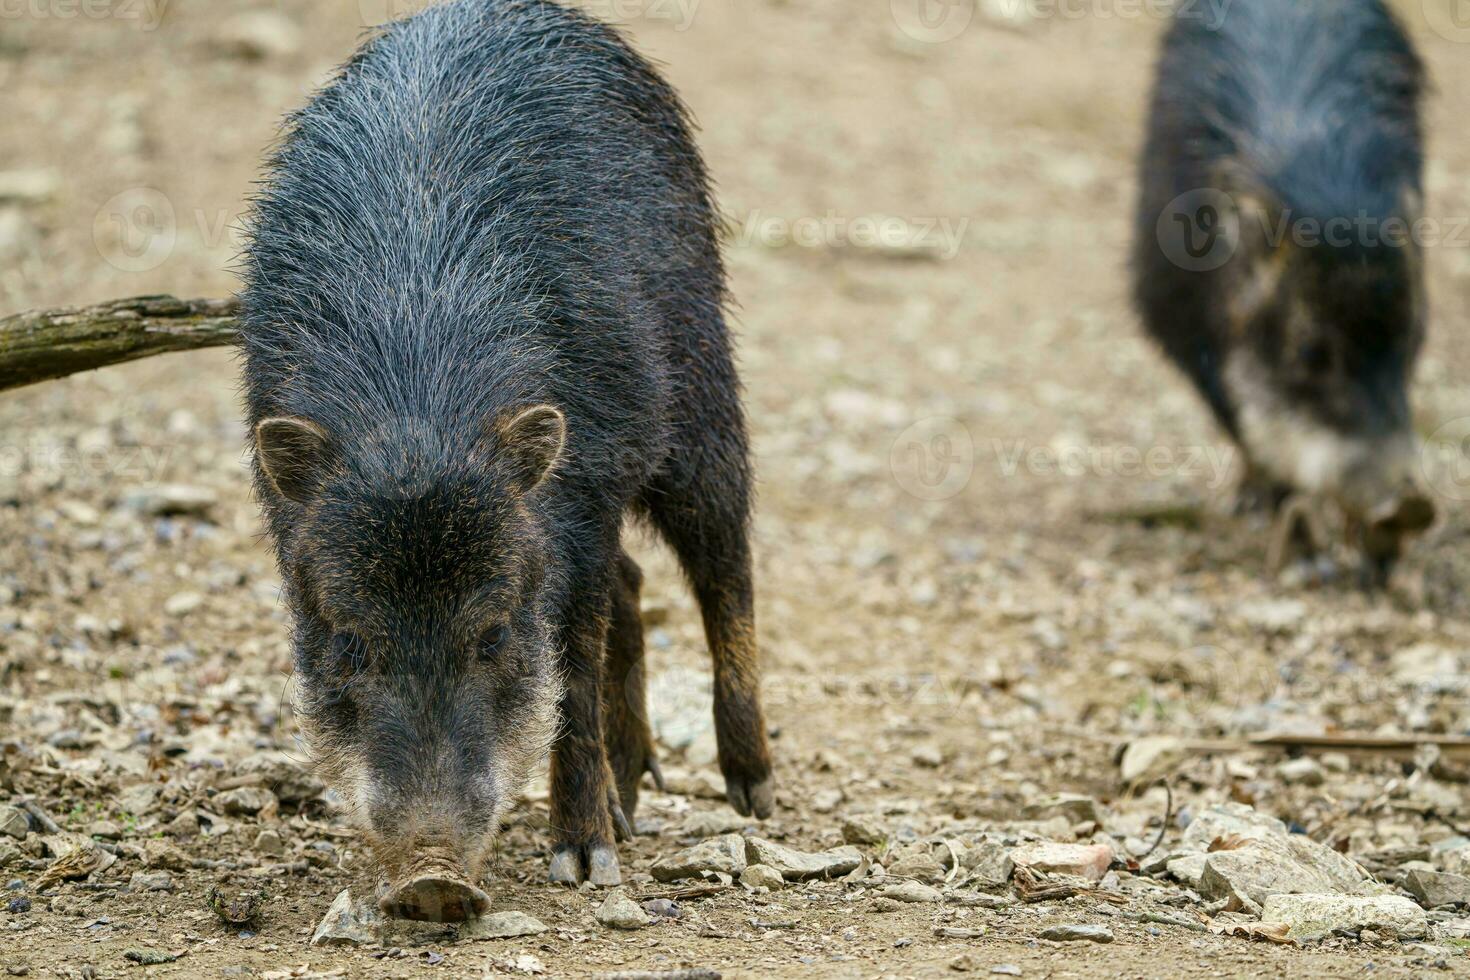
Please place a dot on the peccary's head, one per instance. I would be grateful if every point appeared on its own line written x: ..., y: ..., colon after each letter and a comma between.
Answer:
x: 417, y: 573
x: 1326, y: 321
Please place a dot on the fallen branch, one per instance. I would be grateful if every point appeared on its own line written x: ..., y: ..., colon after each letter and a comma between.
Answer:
x: 47, y: 344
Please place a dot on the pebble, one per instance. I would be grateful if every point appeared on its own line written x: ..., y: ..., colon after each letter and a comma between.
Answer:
x: 151, y: 881
x: 172, y: 500
x: 346, y: 923
x: 259, y: 34
x: 182, y: 603
x: 1310, y: 917
x: 28, y: 186
x: 1072, y: 934
x: 14, y: 822
x: 1076, y: 809
x: 762, y: 876
x: 1436, y: 888
x: 1006, y: 970
x: 503, y: 925
x: 269, y: 843
x: 725, y: 855
x: 1302, y: 772
x: 797, y: 865
x: 1090, y: 861
x: 618, y: 911
x: 245, y: 801
x: 863, y: 830
x: 911, y: 892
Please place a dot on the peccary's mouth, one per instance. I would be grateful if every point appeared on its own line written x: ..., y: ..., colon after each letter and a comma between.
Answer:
x: 434, y: 888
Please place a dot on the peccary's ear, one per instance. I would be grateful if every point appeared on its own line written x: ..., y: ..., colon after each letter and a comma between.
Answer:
x: 293, y: 454
x: 534, y: 438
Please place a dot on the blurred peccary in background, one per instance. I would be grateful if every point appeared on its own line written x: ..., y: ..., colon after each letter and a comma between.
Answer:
x: 483, y: 321
x: 1274, y: 262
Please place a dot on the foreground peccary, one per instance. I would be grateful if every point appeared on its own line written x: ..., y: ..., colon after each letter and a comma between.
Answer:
x: 1273, y: 260
x: 482, y: 323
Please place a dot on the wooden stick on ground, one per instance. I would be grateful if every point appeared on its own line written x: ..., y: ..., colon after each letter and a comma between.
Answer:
x: 46, y: 344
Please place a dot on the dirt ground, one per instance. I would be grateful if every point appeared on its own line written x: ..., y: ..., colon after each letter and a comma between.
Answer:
x: 995, y: 545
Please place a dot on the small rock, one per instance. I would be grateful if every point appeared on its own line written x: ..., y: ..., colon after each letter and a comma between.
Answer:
x: 928, y: 756
x: 713, y: 824
x: 1230, y: 820
x: 663, y: 908
x: 863, y: 830
x: 173, y: 500
x: 28, y: 186
x: 245, y: 801
x: 14, y: 822
x: 989, y: 864
x: 182, y: 603
x: 259, y: 34
x: 503, y: 925
x: 1152, y: 757
x: 1090, y: 861
x: 1302, y: 772
x: 963, y: 963
x: 799, y: 865
x: 911, y: 892
x: 161, y: 854
x: 1188, y: 869
x: 1436, y: 888
x: 151, y: 881
x: 1006, y: 970
x: 722, y: 854
x: 762, y: 876
x: 884, y: 905
x: 827, y: 800
x: 1310, y: 917
x: 1288, y: 864
x: 269, y: 843
x: 1072, y: 934
x: 916, y: 861
x: 346, y: 923
x: 149, y: 957
x: 618, y: 911
x: 1076, y: 809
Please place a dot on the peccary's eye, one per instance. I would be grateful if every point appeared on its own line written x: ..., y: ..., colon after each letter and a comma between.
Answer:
x: 493, y: 641
x: 349, y: 653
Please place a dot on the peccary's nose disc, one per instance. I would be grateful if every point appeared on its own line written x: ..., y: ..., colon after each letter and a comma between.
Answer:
x: 432, y: 898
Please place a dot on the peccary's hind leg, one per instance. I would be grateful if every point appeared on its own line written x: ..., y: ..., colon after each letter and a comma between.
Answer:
x: 629, y: 741
x: 702, y: 509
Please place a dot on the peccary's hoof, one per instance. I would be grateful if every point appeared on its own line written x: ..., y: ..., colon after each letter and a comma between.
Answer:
x: 751, y: 798
x: 595, y: 863
x: 433, y: 898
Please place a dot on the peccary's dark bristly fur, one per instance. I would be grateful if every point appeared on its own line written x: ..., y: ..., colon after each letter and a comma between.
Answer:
x: 483, y: 321
x: 1318, y: 102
